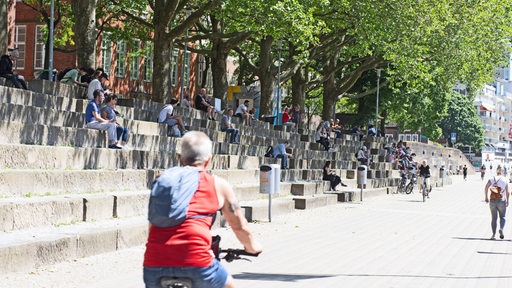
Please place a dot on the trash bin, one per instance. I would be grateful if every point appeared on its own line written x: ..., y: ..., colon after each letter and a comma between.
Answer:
x: 270, y: 178
x: 361, y: 175
x: 268, y: 118
x: 442, y: 172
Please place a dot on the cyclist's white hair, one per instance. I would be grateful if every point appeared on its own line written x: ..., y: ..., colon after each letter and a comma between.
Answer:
x: 196, y: 148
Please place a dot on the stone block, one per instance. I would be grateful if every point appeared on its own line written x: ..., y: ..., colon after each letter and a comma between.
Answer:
x: 98, y: 207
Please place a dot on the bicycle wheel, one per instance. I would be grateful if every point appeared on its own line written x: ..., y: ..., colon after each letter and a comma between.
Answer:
x: 424, y: 192
x: 409, y: 188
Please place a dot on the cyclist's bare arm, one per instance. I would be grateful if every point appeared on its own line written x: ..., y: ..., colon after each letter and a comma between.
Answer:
x: 234, y: 215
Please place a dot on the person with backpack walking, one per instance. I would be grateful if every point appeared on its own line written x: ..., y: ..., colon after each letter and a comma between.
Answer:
x: 497, y: 194
x: 182, y: 207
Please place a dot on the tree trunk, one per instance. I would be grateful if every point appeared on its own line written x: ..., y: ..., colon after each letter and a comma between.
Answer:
x: 329, y: 85
x: 330, y: 98
x: 299, y: 88
x: 265, y: 75
x: 219, y: 68
x: 85, y: 31
x: 162, y: 91
x: 4, y: 35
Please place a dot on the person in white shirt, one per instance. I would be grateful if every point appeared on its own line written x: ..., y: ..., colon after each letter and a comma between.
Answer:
x: 96, y: 84
x: 167, y: 116
x: 499, y: 203
x: 243, y: 112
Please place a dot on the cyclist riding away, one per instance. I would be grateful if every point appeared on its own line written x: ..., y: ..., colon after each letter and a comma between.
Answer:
x: 184, y: 249
x: 424, y: 172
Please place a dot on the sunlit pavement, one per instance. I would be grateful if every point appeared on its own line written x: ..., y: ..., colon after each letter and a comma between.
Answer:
x: 391, y: 241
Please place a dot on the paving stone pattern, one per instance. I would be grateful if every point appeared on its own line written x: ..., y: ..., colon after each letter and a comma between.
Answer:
x: 386, y: 241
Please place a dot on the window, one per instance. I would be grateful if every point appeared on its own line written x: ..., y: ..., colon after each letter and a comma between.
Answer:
x: 200, y: 69
x: 120, y: 59
x: 106, y: 54
x: 174, y: 68
x: 20, y: 37
x: 134, y: 62
x: 148, y: 63
x: 186, y: 67
x: 39, y: 52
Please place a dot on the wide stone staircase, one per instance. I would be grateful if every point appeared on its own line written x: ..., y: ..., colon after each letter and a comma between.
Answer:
x: 63, y: 195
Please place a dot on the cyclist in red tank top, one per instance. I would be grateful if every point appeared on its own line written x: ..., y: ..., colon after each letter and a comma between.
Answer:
x: 185, y: 250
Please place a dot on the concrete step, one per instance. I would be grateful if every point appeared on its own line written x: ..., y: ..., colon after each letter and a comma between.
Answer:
x: 258, y: 210
x: 342, y: 196
x: 59, y: 157
x: 57, y: 88
x: 309, y: 188
x: 250, y: 192
x: 314, y: 201
x: 18, y: 213
x: 27, y: 249
x: 39, y: 182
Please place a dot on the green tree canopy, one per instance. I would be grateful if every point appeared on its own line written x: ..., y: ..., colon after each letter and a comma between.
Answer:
x: 463, y: 120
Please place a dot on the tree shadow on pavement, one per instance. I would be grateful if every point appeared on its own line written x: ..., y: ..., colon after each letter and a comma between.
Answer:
x: 493, y: 253
x: 278, y: 277
x: 481, y: 239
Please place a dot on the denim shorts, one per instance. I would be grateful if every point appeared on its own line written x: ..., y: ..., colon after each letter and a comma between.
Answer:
x: 214, y: 276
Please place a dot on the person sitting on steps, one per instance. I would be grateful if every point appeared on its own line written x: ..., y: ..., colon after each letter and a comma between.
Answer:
x: 109, y: 112
x: 6, y: 69
x: 243, y: 112
x: 280, y: 152
x: 201, y: 103
x: 363, y: 156
x: 330, y: 175
x: 95, y: 121
x: 168, y: 117
x: 227, y: 126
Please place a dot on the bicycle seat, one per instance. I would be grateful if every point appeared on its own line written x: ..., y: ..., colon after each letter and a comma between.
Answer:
x: 175, y: 282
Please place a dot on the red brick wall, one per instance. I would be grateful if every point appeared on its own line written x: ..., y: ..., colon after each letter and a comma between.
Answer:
x: 28, y: 17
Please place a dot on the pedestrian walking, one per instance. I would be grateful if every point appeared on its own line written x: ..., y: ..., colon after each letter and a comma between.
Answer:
x: 465, y: 172
x: 482, y: 171
x: 497, y: 195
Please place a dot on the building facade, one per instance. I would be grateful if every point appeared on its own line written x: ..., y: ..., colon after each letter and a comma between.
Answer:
x: 129, y: 75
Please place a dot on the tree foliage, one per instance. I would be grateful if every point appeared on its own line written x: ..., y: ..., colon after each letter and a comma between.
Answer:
x: 463, y: 120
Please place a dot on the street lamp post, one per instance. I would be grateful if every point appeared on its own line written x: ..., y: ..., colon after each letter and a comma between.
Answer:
x: 50, y: 56
x: 182, y: 90
x: 280, y: 43
x: 377, y: 104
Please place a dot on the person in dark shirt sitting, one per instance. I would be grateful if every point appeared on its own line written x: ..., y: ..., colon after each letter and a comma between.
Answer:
x: 6, y: 65
x: 201, y: 103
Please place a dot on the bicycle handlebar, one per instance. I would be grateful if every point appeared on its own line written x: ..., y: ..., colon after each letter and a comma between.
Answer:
x: 234, y: 254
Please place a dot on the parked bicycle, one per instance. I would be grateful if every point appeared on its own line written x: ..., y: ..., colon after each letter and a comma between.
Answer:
x: 228, y: 255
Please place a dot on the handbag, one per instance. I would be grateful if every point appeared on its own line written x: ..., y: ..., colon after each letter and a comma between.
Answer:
x: 496, y: 191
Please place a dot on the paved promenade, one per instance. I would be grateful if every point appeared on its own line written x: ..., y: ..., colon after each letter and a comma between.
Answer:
x: 390, y: 241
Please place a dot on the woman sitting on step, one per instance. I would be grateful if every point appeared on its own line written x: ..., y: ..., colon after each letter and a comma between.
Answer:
x: 330, y: 175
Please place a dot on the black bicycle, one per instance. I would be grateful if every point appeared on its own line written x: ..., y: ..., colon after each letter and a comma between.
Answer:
x: 410, y: 187
x: 228, y: 255
x: 402, y: 184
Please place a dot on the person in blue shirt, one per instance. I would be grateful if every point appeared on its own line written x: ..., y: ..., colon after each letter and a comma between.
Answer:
x: 280, y: 152
x: 95, y: 121
x: 227, y: 126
